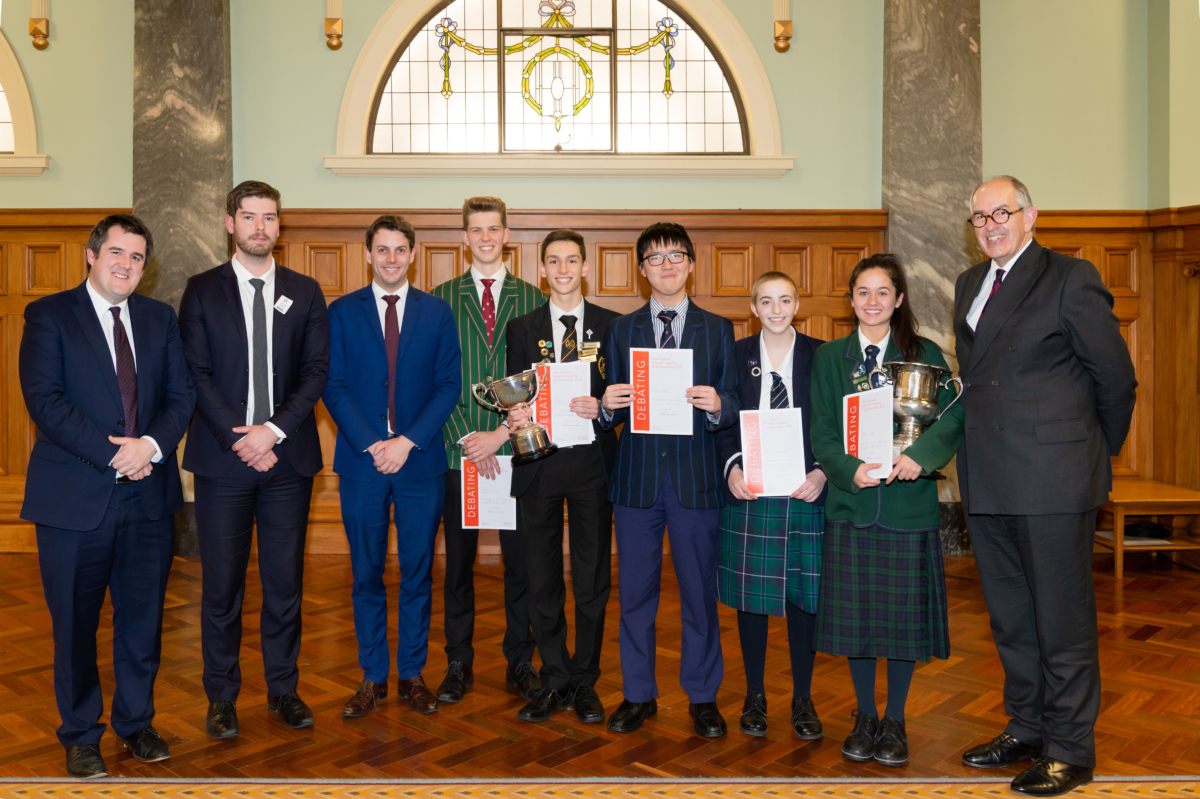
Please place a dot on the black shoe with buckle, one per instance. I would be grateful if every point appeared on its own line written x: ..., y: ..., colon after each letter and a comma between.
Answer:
x: 805, y: 720
x: 860, y: 746
x: 891, y: 743
x: 459, y: 679
x: 291, y: 709
x: 85, y: 763
x: 542, y: 706
x: 754, y: 715
x: 1003, y: 750
x: 147, y: 745
x: 588, y: 708
x: 524, y: 678
x: 222, y: 720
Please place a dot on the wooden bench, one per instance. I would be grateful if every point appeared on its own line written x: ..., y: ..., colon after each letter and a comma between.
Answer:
x: 1134, y: 497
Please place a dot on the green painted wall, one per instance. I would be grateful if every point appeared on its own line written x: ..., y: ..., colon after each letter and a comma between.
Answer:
x: 1184, y: 166
x: 82, y: 88
x: 1065, y: 99
x: 829, y: 90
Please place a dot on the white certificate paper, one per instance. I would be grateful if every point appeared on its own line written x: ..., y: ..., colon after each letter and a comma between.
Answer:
x: 559, y: 383
x: 773, y: 451
x: 488, y: 504
x: 660, y: 381
x: 867, y: 428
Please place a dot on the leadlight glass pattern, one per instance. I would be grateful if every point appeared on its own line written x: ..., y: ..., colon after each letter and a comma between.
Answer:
x: 558, y: 70
x: 7, y: 143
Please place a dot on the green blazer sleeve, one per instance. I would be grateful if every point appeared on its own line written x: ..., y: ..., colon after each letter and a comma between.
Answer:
x: 938, y: 443
x: 825, y: 426
x: 457, y: 425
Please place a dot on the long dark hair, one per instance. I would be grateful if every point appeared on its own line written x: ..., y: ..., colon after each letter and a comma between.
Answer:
x: 904, y: 324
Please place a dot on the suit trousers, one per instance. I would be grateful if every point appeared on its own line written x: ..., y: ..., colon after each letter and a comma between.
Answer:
x: 129, y: 555
x: 227, y: 510
x: 1036, y: 573
x: 459, y: 589
x: 693, y: 533
x: 576, y: 475
x: 416, y: 506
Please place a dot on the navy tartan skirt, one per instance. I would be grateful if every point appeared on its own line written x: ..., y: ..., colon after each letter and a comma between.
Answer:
x: 883, y: 593
x: 770, y: 552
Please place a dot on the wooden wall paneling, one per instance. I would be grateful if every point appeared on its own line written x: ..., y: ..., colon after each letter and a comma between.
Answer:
x: 618, y: 272
x: 795, y: 261
x: 45, y: 268
x: 438, y: 263
x: 844, y: 258
x: 732, y: 270
x: 1120, y: 270
x: 325, y: 262
x: 280, y: 254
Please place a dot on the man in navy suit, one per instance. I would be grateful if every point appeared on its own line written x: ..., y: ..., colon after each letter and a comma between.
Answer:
x: 395, y: 373
x: 105, y: 381
x: 256, y: 337
x: 670, y: 481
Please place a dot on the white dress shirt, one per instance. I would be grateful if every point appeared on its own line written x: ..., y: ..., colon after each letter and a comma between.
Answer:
x: 479, y: 277
x: 107, y: 323
x: 864, y: 342
x: 559, y: 330
x: 985, y: 288
x: 680, y: 310
x: 382, y: 306
x: 784, y: 370
x: 246, y: 292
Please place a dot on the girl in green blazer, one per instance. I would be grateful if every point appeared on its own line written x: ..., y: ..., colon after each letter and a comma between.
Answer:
x: 883, y: 592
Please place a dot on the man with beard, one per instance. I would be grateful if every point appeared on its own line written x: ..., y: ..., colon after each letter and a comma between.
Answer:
x: 256, y: 338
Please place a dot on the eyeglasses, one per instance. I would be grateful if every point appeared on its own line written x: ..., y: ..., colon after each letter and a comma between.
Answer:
x: 657, y: 259
x: 999, y: 216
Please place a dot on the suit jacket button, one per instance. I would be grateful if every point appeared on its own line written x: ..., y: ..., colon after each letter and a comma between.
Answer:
x: 243, y: 402
x: 995, y: 382
x: 967, y: 384
x: 120, y: 423
x: 385, y: 384
x: 999, y: 427
x: 383, y: 416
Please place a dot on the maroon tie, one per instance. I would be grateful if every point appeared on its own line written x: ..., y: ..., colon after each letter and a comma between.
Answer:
x: 126, y: 374
x: 995, y: 287
x: 391, y: 341
x: 489, y: 308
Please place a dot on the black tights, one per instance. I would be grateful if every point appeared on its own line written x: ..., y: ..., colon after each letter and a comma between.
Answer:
x: 802, y: 628
x: 899, y: 678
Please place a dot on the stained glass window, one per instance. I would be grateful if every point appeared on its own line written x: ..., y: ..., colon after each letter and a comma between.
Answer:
x: 595, y: 76
x: 6, y: 125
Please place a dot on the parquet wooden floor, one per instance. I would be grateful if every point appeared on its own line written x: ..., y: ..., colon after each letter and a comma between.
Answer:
x: 1149, y: 725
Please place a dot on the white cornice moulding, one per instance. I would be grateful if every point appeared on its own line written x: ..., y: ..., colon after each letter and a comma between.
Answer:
x: 23, y: 166
x: 523, y: 165
x: 25, y: 160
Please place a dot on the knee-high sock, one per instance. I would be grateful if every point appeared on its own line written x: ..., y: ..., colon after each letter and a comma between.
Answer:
x: 862, y: 672
x: 802, y: 628
x: 899, y: 676
x: 752, y: 630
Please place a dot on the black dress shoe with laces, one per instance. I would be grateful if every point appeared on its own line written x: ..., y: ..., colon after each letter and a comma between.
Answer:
x: 291, y: 709
x: 222, y: 720
x: 1050, y: 777
x: 805, y: 720
x: 754, y: 715
x: 147, y: 745
x: 707, y: 719
x: 459, y: 679
x: 1003, y: 750
x: 630, y: 715
x: 891, y: 743
x: 85, y: 763
x: 524, y: 678
x: 542, y: 706
x: 587, y: 705
x: 860, y: 746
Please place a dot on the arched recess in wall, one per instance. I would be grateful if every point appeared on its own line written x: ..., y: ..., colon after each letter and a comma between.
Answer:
x: 375, y: 60
x: 24, y: 161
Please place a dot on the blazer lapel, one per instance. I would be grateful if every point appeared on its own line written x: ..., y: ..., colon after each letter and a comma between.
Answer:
x: 970, y: 292
x: 507, y: 306
x: 543, y: 325
x: 229, y: 285
x: 371, y: 313
x: 1012, y: 293
x: 754, y: 381
x: 643, y: 329
x: 411, y: 319
x: 800, y: 371
x: 142, y: 349
x: 469, y: 298
x: 85, y: 312
x: 282, y: 282
x: 691, y: 325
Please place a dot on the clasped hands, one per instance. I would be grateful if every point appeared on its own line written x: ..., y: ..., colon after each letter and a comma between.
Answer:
x: 256, y: 447
x: 620, y: 395
x: 391, y: 455
x: 133, y: 458
x: 809, y: 490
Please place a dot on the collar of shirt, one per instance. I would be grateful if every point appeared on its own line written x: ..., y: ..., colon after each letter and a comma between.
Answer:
x: 244, y: 276
x: 863, y: 342
x: 103, y: 307
x: 380, y: 293
x: 785, y: 368
x: 986, y: 288
x: 559, y: 330
x: 680, y: 310
x: 479, y: 277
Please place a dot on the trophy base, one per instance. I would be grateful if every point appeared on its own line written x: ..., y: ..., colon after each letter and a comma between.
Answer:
x: 522, y: 459
x: 530, y: 442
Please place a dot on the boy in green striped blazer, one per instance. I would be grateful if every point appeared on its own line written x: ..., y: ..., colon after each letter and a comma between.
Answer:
x: 483, y: 300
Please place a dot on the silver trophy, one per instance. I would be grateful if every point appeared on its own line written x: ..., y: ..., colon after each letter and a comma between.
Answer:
x: 915, y: 398
x: 529, y: 439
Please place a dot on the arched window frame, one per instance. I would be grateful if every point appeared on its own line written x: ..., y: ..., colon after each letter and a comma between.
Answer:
x: 24, y: 161
x: 404, y: 18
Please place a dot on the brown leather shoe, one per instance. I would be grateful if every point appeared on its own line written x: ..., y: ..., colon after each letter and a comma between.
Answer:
x: 365, y: 699
x: 417, y: 692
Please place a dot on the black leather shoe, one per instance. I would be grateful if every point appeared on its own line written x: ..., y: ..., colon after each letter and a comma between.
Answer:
x: 630, y: 715
x: 891, y: 743
x: 860, y: 746
x: 524, y: 678
x: 1003, y: 750
x: 291, y: 709
x: 805, y: 719
x: 542, y: 706
x: 1050, y: 777
x: 707, y: 719
x: 587, y: 705
x: 84, y: 762
x: 147, y: 745
x: 754, y: 715
x: 222, y: 720
x: 458, y: 681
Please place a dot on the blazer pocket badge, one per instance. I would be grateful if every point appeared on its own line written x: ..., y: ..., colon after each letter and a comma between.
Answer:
x: 282, y: 304
x: 600, y: 365
x: 589, y: 351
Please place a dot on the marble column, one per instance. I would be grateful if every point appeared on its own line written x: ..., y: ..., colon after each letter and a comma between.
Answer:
x: 932, y: 159
x: 182, y: 152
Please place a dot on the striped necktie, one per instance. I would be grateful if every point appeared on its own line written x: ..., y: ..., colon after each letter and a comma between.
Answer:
x: 667, y: 342
x: 779, y: 395
x: 570, y: 347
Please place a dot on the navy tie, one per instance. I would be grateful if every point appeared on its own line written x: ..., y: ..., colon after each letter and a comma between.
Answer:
x: 667, y: 342
x: 779, y: 395
x: 871, y: 351
x: 995, y: 287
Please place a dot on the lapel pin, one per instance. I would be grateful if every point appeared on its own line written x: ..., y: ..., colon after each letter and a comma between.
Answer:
x: 756, y: 371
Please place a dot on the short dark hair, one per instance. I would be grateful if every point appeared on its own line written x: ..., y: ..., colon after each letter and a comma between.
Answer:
x: 247, y: 189
x: 395, y: 223
x: 564, y: 234
x: 127, y: 222
x: 664, y: 233
x: 484, y: 204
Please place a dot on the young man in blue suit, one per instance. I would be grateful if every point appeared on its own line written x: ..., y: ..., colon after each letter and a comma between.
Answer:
x: 395, y: 373
x: 670, y: 481
x: 106, y: 383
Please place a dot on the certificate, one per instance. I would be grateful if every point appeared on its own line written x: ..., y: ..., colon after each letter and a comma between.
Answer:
x: 867, y: 428
x: 558, y: 384
x: 488, y: 504
x: 660, y: 381
x: 773, y: 451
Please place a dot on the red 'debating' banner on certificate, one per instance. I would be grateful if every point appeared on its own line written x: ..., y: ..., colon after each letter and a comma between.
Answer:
x: 640, y: 377
x: 852, y: 419
x: 470, y: 494
x: 544, y: 417
x: 752, y: 464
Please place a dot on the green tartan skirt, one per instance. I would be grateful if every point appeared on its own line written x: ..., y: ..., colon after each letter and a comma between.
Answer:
x: 883, y: 593
x: 771, y: 552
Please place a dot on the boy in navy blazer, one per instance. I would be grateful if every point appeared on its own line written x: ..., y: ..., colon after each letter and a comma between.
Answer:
x: 670, y: 481
x: 395, y: 373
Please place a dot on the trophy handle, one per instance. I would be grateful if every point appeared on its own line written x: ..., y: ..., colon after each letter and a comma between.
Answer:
x: 946, y: 384
x: 887, y: 378
x: 479, y: 392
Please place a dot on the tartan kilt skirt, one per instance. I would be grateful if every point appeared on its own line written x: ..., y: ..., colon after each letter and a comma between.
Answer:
x: 883, y: 593
x: 770, y: 551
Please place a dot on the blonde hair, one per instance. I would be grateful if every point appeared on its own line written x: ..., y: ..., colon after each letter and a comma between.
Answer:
x: 768, y: 277
x: 484, y: 204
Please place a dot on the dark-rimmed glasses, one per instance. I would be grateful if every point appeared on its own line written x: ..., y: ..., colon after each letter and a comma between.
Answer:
x: 657, y: 258
x: 999, y: 216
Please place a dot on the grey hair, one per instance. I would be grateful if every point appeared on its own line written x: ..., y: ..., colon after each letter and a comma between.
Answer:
x: 1020, y: 188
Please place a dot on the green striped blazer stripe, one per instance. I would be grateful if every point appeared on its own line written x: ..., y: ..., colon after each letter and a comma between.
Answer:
x: 481, y: 363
